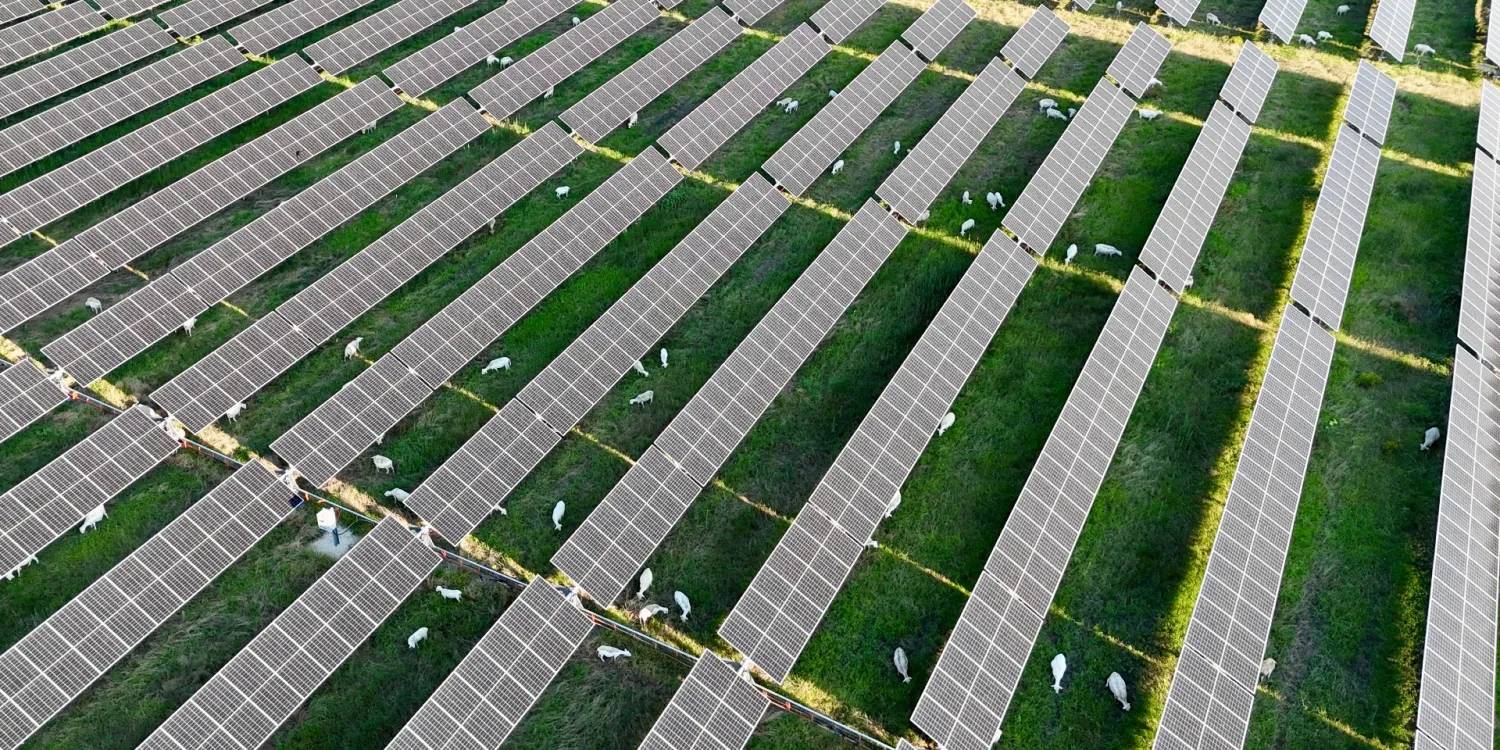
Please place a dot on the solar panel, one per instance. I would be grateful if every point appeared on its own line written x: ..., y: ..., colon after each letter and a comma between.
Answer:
x: 86, y: 114
x: 244, y: 703
x: 1457, y: 699
x: 838, y: 19
x: 1280, y: 17
x: 35, y: 512
x: 336, y: 432
x: 195, y: 17
x: 502, y: 677
x: 1477, y: 315
x: 751, y: 11
x: 463, y: 491
x: 777, y: 615
x: 1249, y: 81
x: 468, y: 45
x: 374, y: 34
x: 801, y: 160
x: 127, y: 8
x: 616, y: 538
x: 531, y: 76
x: 252, y: 359
x: 63, y: 190
x: 58, y: 74
x: 1489, y: 119
x: 1327, y: 263
x: 284, y: 23
x: 1392, y: 25
x: 10, y: 10
x: 599, y: 113
x: 937, y: 26
x: 1232, y: 616
x: 693, y: 139
x: 1492, y: 39
x: 1180, y: 11
x: 1038, y: 214
x: 1370, y: 100
x: 41, y: 33
x: 88, y: 256
x: 1137, y: 62
x: 60, y: 658
x: 713, y: 709
x: 919, y: 178
x: 1033, y: 44
x: 112, y: 337
x: 1175, y: 241
x: 25, y: 395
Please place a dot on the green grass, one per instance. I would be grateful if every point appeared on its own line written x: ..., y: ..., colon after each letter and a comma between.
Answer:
x: 1352, y: 613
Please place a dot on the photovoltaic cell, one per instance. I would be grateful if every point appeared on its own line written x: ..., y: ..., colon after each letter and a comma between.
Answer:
x: 935, y: 28
x: 603, y: 555
x: 1032, y: 44
x: 377, y: 33
x: 195, y: 17
x: 58, y: 74
x: 10, y: 10
x: 60, y: 658
x: 63, y: 190
x: 1489, y: 119
x: 1281, y: 17
x: 1137, y: 62
x: 499, y: 680
x: 1038, y: 214
x: 25, y: 395
x: 88, y: 256
x: 530, y: 76
x: 1370, y: 100
x: 838, y: 19
x: 469, y: 45
x: 801, y: 160
x: 127, y: 8
x: 751, y: 11
x: 713, y: 709
x: 919, y: 178
x: 244, y: 703
x: 35, y: 512
x: 693, y: 139
x: 1479, y: 307
x: 777, y: 615
x: 255, y: 357
x: 1180, y: 11
x: 41, y: 33
x: 1327, y: 263
x: 1492, y: 39
x: 284, y: 23
x: 1392, y: 25
x: 610, y: 105
x: 1249, y: 81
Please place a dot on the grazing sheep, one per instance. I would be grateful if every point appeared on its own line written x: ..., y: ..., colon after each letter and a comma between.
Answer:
x: 11, y: 574
x: 967, y: 199
x: 574, y: 21
x: 664, y: 356
x: 550, y: 91
x: 1342, y: 9
x: 947, y: 422
x: 995, y: 200
x: 1057, y: 114
x: 963, y: 229
x: 784, y: 102
x: 189, y: 324
x: 505, y: 61
x: 643, y: 398
x: 893, y: 504
x: 1071, y: 254
x: 498, y: 363
x: 1213, y: 20
x: 397, y: 494
x: 1116, y: 685
x: 450, y: 594
x: 1432, y: 435
x: 788, y: 105
x: 838, y: 166
x: 1307, y: 40
x: 645, y: 583
x: 424, y: 535
x: 562, y: 192
x: 1107, y: 250
x: 1071, y: 112
x: 1423, y: 49
x: 557, y: 514
x: 351, y: 349
x: 610, y: 653
x: 924, y: 216
x: 872, y: 544
x: 1267, y: 666
x: 1119, y: 8
x: 93, y: 304
x: 491, y: 60
x: 896, y: 149
x: 92, y: 519
x: 640, y: 367
x: 635, y: 117
x: 683, y: 604
x: 1153, y: 83
x: 417, y: 636
x: 1059, y: 668
x: 649, y: 611
x: 382, y: 464
x: 899, y: 659
x: 1148, y: 113
x: 1046, y: 104
x: 1324, y: 36
x: 832, y: 93
x: 234, y: 411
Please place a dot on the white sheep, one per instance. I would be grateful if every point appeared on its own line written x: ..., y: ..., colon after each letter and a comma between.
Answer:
x: 498, y: 363
x: 234, y: 411
x: 1071, y: 112
x: 963, y: 229
x: 1071, y: 254
x: 557, y: 514
x: 562, y: 191
x: 93, y: 304
x: 838, y: 166
x: 1267, y: 666
x: 1307, y: 40
x: 450, y: 594
x: 1432, y: 435
x: 640, y: 367
x: 783, y: 102
x: 424, y: 535
x: 505, y: 61
x: 1107, y: 250
x: 1119, y: 8
x: 1057, y: 114
x: 924, y: 216
x: 1342, y: 9
x: 649, y: 611
x: 417, y: 636
x: 397, y: 494
x: 382, y: 464
x: 574, y: 21
x: 1059, y: 668
x: 896, y: 148
x: 1151, y: 84
x: 947, y: 422
x: 663, y: 356
x: 1148, y: 113
x: 610, y: 653
x: 643, y: 398
x: 491, y: 60
x: 1116, y: 685
x: 1046, y: 104
x: 893, y: 504
x: 1213, y: 20
x: 92, y: 519
x: 189, y: 324
x: 899, y: 659
x: 351, y: 349
x: 683, y: 604
x: 1423, y: 49
x: 967, y: 199
x: 1324, y: 36
x: 832, y: 93
x: 789, y: 106
x: 551, y: 90
x: 995, y: 200
x: 634, y: 118
x: 645, y: 583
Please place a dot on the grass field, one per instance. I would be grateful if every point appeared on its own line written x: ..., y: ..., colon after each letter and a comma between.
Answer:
x: 1351, y: 616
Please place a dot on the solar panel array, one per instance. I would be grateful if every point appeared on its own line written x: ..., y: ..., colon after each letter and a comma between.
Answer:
x: 86, y: 114
x: 1180, y: 11
x: 1213, y: 689
x: 39, y: 509
x: 838, y: 19
x: 613, y: 102
x: 55, y: 75
x: 751, y: 11
x: 1327, y: 263
x: 1137, y: 62
x: 713, y: 709
x: 60, y: 658
x: 776, y: 616
x: 463, y: 491
x: 41, y: 33
x: 468, y: 45
x: 10, y: 10
x: 531, y: 76
x: 603, y: 555
x: 1281, y: 17
x: 502, y: 677
x: 1392, y: 25
x: 1249, y: 81
x: 698, y: 135
x: 337, y: 431
x: 284, y: 23
x: 244, y: 703
x: 374, y: 34
x: 256, y: 356
x: 806, y: 156
x: 25, y: 395
x: 1033, y: 44
x: 1457, y: 699
x: 124, y: 330
x: 87, y: 257
x: 63, y: 190
x: 197, y: 16
x: 935, y: 28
